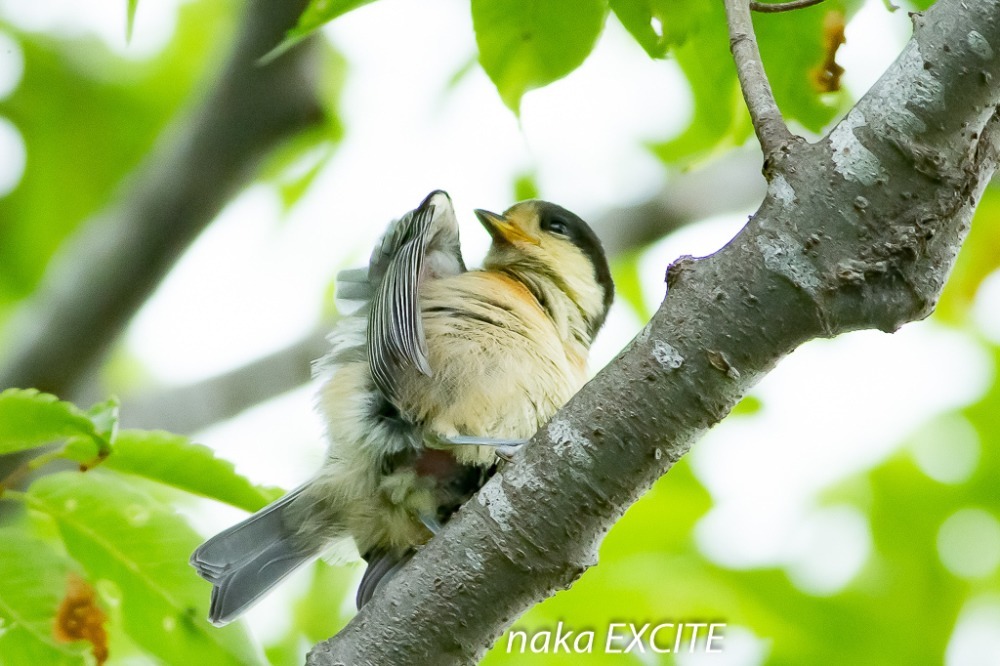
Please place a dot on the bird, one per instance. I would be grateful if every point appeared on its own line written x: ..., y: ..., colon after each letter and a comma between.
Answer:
x: 439, y: 375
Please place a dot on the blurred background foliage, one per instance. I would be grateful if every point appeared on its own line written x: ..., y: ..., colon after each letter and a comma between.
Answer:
x: 83, y: 116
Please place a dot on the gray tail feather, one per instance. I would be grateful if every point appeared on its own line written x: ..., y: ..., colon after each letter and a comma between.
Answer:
x: 245, y: 561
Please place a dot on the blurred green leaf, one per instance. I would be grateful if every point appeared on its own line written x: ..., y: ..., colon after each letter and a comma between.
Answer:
x: 118, y: 533
x: 526, y: 186
x: 659, y: 25
x: 320, y: 613
x: 29, y: 419
x: 985, y: 418
x: 315, y: 16
x: 527, y: 45
x: 175, y: 461
x: 131, y: 6
x: 104, y: 416
x: 31, y: 587
x: 748, y: 406
x: 976, y: 260
x: 74, y: 167
x: 793, y: 45
x: 629, y: 282
x: 293, y: 167
x: 700, y: 42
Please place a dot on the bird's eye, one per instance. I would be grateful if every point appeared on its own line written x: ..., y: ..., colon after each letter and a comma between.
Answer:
x: 556, y: 226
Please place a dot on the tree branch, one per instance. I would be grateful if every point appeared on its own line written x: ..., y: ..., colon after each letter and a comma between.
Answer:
x: 730, y: 183
x: 775, y: 7
x: 97, y: 283
x: 768, y: 123
x: 187, y: 409
x: 856, y: 231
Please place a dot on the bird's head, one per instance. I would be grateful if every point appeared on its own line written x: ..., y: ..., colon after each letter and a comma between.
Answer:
x: 542, y: 243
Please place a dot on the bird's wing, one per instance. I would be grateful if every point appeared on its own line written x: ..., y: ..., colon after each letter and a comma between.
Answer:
x: 422, y: 245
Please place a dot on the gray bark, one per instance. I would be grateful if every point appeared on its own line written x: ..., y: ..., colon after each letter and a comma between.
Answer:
x: 858, y: 230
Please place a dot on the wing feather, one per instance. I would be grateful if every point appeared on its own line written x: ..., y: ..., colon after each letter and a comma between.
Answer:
x: 421, y: 245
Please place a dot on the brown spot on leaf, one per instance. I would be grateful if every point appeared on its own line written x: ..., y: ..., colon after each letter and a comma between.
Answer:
x: 79, y: 618
x: 826, y: 76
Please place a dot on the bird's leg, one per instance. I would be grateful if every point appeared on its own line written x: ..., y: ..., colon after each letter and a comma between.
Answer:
x: 505, y: 448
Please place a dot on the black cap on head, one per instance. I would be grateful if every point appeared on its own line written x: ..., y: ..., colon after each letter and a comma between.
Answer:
x: 555, y: 218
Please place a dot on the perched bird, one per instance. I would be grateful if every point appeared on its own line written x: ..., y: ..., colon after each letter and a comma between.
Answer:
x: 438, y: 372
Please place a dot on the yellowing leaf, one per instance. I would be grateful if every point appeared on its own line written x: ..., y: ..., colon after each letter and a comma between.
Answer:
x: 79, y: 618
x: 121, y: 534
x: 30, y: 589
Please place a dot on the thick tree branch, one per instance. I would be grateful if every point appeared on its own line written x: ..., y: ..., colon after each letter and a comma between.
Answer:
x: 99, y: 281
x: 857, y: 231
x: 768, y: 123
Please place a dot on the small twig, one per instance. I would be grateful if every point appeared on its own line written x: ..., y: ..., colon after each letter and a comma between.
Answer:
x: 44, y: 459
x: 768, y: 124
x: 15, y: 478
x: 775, y: 7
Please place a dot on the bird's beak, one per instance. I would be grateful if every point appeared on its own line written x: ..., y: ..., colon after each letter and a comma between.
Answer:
x: 503, y: 230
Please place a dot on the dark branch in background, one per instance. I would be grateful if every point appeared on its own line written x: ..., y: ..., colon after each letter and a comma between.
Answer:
x: 772, y: 133
x: 188, y: 409
x: 97, y: 283
x: 859, y: 230
x: 775, y: 7
x: 729, y: 184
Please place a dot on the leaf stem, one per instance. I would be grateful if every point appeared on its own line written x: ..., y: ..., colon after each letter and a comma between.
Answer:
x: 16, y: 495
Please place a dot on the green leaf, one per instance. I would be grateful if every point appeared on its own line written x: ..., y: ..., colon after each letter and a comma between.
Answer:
x: 977, y: 259
x: 700, y: 44
x: 527, y: 45
x: 748, y: 406
x: 130, y: 18
x: 628, y: 284
x: 659, y: 25
x: 294, y: 166
x: 794, y: 47
x: 29, y: 419
x: 315, y: 16
x: 175, y: 461
x: 87, y: 118
x: 104, y: 416
x: 31, y: 587
x: 121, y: 535
x: 320, y: 613
x: 526, y: 186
